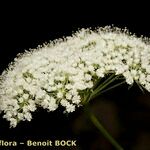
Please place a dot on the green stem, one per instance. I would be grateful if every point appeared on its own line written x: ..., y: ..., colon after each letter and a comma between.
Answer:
x: 101, y: 87
x: 103, y: 91
x: 97, y: 91
x: 105, y: 133
x: 103, y: 83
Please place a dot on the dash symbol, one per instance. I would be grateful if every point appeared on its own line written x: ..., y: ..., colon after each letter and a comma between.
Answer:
x: 21, y: 143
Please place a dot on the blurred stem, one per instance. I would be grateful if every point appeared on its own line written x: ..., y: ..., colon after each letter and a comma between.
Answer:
x: 103, y: 91
x: 99, y: 85
x: 100, y: 127
x: 88, y: 95
x: 97, y: 90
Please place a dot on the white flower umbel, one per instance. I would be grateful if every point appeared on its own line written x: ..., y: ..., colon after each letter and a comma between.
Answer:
x: 66, y: 72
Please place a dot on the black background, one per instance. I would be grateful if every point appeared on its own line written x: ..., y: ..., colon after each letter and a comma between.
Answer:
x: 25, y: 26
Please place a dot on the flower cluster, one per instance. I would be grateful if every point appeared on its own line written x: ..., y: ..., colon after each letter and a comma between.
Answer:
x: 59, y: 73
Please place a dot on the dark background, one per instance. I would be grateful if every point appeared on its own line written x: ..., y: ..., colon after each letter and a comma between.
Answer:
x: 126, y: 114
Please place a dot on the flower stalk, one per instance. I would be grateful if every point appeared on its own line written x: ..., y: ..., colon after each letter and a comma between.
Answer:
x: 105, y: 133
x: 98, y: 91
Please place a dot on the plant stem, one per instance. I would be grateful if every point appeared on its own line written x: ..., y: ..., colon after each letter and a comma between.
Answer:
x: 105, y: 133
x: 96, y: 92
x: 103, y: 83
x: 102, y: 86
x: 110, y: 88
